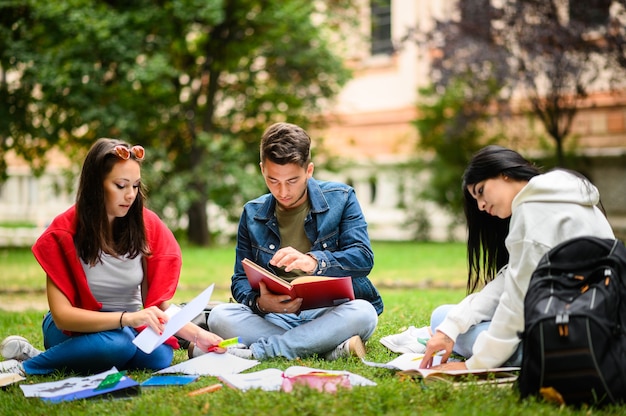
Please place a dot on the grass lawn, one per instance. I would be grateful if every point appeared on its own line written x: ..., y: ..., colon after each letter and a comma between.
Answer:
x: 413, y: 279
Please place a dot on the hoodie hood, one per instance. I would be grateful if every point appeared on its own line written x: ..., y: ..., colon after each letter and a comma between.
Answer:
x: 558, y: 186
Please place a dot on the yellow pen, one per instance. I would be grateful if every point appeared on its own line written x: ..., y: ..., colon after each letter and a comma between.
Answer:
x: 228, y: 342
x: 421, y: 356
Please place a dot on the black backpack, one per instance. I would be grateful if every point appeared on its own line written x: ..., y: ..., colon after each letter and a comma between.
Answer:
x: 574, y: 340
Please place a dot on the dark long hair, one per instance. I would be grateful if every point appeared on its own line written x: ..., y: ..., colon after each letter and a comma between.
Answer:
x: 93, y: 235
x: 486, y: 252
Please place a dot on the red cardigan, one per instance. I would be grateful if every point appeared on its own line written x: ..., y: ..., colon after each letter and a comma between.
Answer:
x: 56, y: 253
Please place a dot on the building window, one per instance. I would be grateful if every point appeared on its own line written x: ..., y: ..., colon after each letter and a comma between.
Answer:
x: 476, y: 18
x: 381, y: 27
x: 592, y: 12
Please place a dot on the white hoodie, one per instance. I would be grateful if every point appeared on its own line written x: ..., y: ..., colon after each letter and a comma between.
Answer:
x: 550, y: 209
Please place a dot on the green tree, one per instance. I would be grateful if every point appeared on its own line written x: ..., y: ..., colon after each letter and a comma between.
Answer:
x: 451, y: 129
x: 195, y: 81
x: 553, y: 52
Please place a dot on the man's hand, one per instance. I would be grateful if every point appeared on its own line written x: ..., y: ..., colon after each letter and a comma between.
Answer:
x: 270, y: 302
x: 290, y: 259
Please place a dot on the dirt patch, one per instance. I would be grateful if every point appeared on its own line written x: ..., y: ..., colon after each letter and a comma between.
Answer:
x: 19, y: 301
x: 24, y: 300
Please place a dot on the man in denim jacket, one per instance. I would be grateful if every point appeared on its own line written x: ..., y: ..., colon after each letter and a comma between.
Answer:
x: 302, y: 227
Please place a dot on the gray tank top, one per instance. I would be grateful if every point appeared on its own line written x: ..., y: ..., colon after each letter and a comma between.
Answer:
x: 116, y: 282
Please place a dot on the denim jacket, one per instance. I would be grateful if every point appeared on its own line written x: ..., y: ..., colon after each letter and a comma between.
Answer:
x: 336, y: 227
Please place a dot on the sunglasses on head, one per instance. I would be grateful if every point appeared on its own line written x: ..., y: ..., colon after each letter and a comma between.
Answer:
x: 124, y: 152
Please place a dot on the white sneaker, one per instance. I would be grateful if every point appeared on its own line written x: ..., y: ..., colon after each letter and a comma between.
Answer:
x: 351, y: 346
x: 15, y: 347
x: 11, y: 367
x: 240, y: 351
x: 406, y: 342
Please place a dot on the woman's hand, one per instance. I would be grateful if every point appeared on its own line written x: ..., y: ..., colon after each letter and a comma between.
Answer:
x: 457, y: 365
x: 438, y: 342
x: 153, y: 317
x: 206, y: 340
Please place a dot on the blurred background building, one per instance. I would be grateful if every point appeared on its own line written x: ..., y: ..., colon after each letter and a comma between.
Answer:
x: 372, y: 122
x: 371, y: 131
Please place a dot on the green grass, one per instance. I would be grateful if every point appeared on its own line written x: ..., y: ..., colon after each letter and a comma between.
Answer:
x: 413, y: 279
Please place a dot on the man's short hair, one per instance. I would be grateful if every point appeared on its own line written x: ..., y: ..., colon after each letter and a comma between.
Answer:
x: 284, y: 143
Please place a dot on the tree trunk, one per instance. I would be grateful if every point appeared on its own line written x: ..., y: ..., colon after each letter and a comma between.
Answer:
x: 198, y: 227
x: 559, y: 152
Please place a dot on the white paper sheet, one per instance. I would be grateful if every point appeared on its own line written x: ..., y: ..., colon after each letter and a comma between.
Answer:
x: 269, y: 379
x: 148, y: 339
x: 406, y: 361
x: 211, y: 364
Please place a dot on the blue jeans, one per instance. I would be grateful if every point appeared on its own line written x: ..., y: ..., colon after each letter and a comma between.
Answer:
x: 313, y: 331
x: 95, y: 352
x: 465, y: 342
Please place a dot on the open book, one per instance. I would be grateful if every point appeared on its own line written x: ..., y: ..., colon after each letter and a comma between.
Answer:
x: 315, y: 291
x: 500, y: 376
x: 408, y: 365
x: 271, y: 379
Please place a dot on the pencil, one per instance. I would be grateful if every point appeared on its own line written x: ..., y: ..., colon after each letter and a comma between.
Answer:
x: 208, y: 389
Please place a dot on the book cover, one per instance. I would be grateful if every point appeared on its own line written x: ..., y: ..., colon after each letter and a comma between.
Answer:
x: 75, y: 388
x: 315, y: 291
x: 10, y: 378
x: 169, y: 380
x: 126, y: 387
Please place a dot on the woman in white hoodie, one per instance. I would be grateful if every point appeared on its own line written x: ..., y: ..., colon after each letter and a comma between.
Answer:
x: 515, y: 214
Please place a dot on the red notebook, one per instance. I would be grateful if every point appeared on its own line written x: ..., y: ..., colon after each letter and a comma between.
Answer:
x: 315, y: 291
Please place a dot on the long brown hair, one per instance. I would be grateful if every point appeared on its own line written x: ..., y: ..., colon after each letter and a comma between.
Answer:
x: 93, y: 236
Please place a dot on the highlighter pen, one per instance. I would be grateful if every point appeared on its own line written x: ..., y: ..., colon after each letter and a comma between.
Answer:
x: 421, y: 356
x: 229, y: 342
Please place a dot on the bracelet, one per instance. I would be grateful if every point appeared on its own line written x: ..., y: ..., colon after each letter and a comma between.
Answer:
x: 260, y: 309
x: 121, y: 316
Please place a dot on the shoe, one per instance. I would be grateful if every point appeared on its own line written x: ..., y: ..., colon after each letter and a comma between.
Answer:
x: 193, y: 352
x: 406, y: 342
x: 11, y: 367
x: 15, y: 347
x: 240, y: 351
x: 351, y: 346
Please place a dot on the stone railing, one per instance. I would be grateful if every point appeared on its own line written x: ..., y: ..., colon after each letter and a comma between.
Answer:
x: 19, y: 236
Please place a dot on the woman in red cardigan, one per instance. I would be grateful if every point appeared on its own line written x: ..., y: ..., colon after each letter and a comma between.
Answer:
x: 111, y: 267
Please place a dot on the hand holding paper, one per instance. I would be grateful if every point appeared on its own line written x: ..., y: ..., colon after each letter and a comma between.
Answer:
x: 148, y: 340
